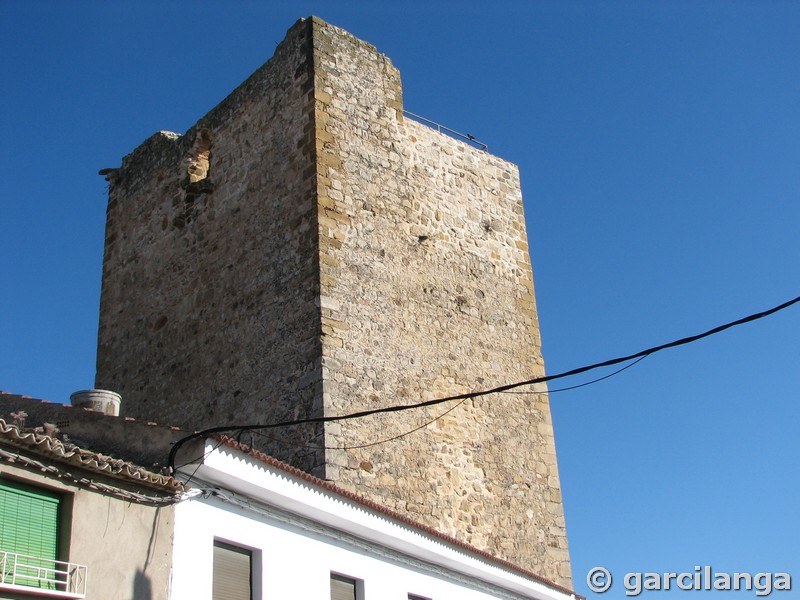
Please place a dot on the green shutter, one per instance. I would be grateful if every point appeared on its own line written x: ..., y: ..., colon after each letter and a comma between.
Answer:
x: 28, y: 520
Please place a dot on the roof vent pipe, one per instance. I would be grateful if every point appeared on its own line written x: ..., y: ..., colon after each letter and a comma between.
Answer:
x: 104, y: 401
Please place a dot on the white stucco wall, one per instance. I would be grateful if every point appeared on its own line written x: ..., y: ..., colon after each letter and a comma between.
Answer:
x: 293, y: 563
x: 299, y: 533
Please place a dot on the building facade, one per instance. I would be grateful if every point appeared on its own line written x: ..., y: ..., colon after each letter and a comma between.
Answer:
x: 305, y: 251
x: 78, y: 524
x: 235, y: 524
x: 263, y: 529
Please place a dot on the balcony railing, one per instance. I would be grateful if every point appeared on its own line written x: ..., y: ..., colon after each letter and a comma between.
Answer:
x: 41, y: 576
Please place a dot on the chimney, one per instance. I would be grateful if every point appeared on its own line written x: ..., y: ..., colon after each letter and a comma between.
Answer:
x: 104, y: 401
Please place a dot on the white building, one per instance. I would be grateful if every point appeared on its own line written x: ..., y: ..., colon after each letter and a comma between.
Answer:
x: 249, y: 527
x: 263, y: 529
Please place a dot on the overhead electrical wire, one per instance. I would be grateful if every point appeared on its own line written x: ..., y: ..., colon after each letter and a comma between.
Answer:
x: 92, y: 483
x: 238, y: 432
x: 470, y: 395
x: 452, y: 408
x: 399, y: 435
x: 584, y: 384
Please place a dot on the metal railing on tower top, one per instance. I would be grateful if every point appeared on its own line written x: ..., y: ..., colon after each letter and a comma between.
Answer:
x: 441, y: 128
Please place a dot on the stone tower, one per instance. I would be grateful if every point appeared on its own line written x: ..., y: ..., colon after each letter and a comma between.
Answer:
x: 305, y: 250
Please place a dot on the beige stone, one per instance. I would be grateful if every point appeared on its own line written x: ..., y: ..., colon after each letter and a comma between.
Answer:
x: 416, y: 241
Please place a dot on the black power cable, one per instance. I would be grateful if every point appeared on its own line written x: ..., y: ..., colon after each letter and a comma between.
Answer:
x: 503, y: 388
x: 400, y: 435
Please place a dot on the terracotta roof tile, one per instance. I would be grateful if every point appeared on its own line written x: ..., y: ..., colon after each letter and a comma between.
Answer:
x: 54, y: 448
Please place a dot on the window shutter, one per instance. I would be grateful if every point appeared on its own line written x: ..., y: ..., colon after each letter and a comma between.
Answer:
x: 28, y: 520
x: 342, y: 588
x: 232, y: 573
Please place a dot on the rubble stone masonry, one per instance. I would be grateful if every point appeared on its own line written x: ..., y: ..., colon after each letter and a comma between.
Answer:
x: 305, y: 250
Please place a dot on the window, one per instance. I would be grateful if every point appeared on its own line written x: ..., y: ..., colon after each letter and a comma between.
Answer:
x: 344, y: 588
x: 28, y: 535
x: 28, y: 520
x: 233, y: 572
x: 29, y: 526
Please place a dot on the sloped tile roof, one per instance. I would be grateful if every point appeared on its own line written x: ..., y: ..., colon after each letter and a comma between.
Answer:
x: 51, y: 447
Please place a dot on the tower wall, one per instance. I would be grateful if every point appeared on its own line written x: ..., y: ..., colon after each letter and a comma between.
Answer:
x: 428, y: 292
x: 209, y: 299
x: 307, y: 250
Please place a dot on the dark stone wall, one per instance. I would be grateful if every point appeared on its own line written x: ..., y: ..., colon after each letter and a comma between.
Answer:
x: 208, y: 311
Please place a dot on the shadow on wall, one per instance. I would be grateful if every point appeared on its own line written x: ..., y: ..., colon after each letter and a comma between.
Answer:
x: 142, y: 586
x: 142, y: 589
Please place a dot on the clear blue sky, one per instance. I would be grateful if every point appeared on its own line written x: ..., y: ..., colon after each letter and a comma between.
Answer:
x: 659, y: 148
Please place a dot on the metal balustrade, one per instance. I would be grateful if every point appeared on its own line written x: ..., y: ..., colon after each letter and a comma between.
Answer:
x: 41, y: 576
x: 452, y: 132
